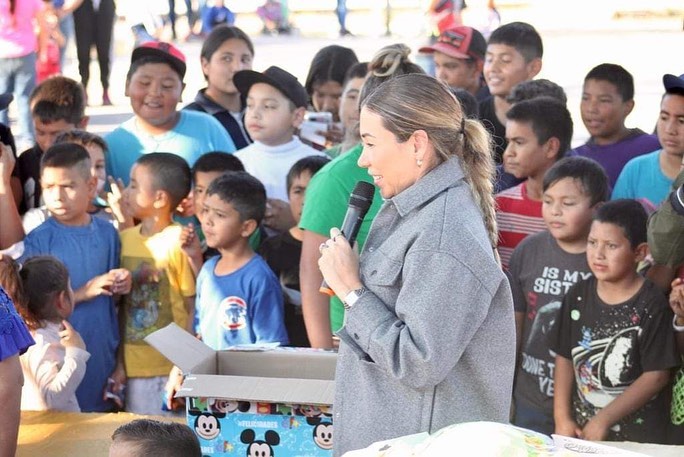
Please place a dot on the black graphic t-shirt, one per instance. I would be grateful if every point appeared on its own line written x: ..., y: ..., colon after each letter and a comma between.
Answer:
x: 610, y: 346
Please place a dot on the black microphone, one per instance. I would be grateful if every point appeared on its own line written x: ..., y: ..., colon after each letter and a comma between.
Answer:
x: 359, y: 202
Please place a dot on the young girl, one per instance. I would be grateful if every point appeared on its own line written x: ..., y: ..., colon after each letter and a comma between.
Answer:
x: 51, y: 41
x: 55, y: 366
x: 226, y: 51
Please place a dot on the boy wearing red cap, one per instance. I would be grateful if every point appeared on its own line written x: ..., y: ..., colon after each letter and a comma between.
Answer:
x: 154, y: 84
x: 459, y: 57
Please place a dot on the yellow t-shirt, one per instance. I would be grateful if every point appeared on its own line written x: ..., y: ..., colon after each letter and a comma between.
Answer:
x: 162, y: 278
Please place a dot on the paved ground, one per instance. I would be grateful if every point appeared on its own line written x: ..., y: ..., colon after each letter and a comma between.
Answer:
x: 577, y: 35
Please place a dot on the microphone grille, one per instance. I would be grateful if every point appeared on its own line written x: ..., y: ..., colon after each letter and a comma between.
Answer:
x: 362, y: 195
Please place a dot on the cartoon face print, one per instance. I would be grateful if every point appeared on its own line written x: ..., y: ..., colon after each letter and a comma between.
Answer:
x: 259, y: 448
x: 207, y: 426
x: 233, y: 312
x: 322, y: 433
x: 309, y: 410
x: 229, y: 406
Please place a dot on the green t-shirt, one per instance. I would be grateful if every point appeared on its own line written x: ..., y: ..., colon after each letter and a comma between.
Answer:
x: 327, y: 198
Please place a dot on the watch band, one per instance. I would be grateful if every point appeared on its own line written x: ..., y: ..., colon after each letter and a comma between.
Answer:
x: 352, y: 297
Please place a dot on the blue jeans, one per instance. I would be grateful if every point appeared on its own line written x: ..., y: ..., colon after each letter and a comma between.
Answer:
x: 341, y: 11
x: 66, y: 26
x: 18, y: 75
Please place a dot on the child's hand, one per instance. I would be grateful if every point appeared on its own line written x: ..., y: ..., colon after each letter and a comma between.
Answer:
x: 278, y: 215
x: 172, y: 386
x: 190, y: 243
x: 677, y: 299
x: 333, y: 136
x: 186, y: 207
x: 595, y: 430
x: 70, y: 338
x: 568, y: 427
x: 117, y: 204
x: 122, y: 281
x: 116, y: 384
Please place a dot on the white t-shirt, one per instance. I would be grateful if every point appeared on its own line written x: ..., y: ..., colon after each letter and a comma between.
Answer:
x: 270, y: 164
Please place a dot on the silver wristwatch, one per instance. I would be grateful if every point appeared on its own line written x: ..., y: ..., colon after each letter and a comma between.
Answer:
x: 352, y: 297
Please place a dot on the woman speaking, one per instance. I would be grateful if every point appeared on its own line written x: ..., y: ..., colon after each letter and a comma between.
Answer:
x: 428, y: 338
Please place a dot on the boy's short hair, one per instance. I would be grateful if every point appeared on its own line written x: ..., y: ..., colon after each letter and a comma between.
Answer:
x: 58, y: 98
x: 170, y: 173
x: 311, y: 164
x: 615, y: 75
x: 627, y: 214
x: 548, y: 117
x: 358, y: 70
x: 589, y: 173
x: 216, y: 161
x: 521, y: 36
x: 285, y: 82
x: 468, y: 102
x: 67, y: 155
x: 159, y: 439
x: 243, y: 191
x: 83, y: 138
x: 157, y: 52
x: 536, y: 88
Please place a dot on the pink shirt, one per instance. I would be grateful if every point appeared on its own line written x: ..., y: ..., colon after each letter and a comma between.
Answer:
x: 17, y: 35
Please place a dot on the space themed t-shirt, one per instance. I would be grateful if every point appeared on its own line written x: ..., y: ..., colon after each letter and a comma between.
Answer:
x: 243, y: 307
x: 610, y: 346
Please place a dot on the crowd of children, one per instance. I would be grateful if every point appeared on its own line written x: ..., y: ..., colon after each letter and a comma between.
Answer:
x: 198, y: 217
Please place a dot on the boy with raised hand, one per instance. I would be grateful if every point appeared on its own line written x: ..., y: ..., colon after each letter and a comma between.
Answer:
x: 276, y: 103
x: 89, y: 247
x: 538, y: 131
x: 541, y: 270
x: 514, y: 54
x: 607, y: 100
x: 57, y: 106
x: 650, y: 176
x: 239, y: 300
x: 163, y: 284
x: 613, y: 339
x: 459, y: 57
x: 154, y: 84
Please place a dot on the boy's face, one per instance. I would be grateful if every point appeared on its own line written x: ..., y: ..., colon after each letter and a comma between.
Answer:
x: 670, y: 125
x: 326, y: 98
x: 603, y: 110
x: 155, y: 89
x: 67, y: 194
x: 140, y: 196
x: 222, y: 225
x: 47, y: 132
x: 524, y: 157
x: 457, y: 73
x: 268, y: 117
x: 296, y: 194
x: 349, y: 104
x: 567, y: 210
x: 609, y: 253
x: 97, y: 160
x: 199, y: 192
x: 505, y: 67
x: 232, y: 56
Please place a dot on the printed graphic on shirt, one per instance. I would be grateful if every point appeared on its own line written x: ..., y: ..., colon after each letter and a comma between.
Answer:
x: 233, y: 313
x: 148, y: 306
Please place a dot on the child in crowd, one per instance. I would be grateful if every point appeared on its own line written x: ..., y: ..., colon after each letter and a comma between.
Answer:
x: 216, y: 15
x: 56, y: 365
x: 459, y: 55
x: 89, y: 248
x: 677, y: 408
x: 349, y: 108
x: 541, y: 270
x: 207, y: 168
x: 147, y: 437
x: 613, y: 339
x: 283, y: 251
x: 50, y: 42
x: 239, y: 300
x: 650, y: 176
x: 225, y: 51
x: 276, y: 104
x: 538, y: 132
x: 514, y: 54
x: 327, y: 197
x: 57, y: 105
x: 607, y: 100
x: 163, y: 284
x: 96, y: 148
x: 154, y: 84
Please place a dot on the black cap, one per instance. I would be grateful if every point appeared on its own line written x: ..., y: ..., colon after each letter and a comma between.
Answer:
x: 672, y: 82
x: 276, y: 77
x: 5, y: 100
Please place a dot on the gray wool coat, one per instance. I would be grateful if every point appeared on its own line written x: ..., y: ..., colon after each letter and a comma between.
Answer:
x: 433, y: 341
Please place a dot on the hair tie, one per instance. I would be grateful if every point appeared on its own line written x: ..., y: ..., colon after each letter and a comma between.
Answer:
x: 462, y: 132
